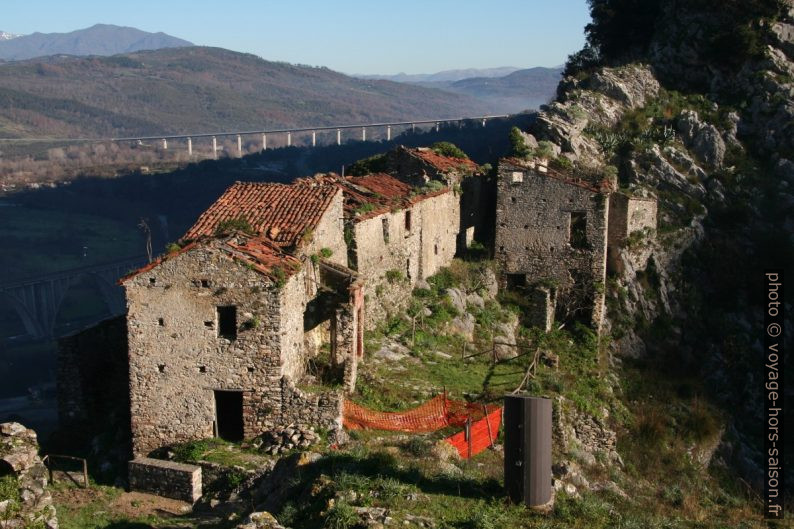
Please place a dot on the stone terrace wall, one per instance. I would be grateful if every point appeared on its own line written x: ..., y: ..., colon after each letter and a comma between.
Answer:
x: 165, y: 478
x: 177, y: 358
x: 305, y: 409
x: 533, y: 223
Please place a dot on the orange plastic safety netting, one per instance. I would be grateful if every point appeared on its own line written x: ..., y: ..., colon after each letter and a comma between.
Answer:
x: 439, y: 412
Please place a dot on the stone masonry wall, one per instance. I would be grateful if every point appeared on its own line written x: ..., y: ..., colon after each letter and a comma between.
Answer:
x: 304, y: 409
x: 329, y: 233
x: 177, y: 359
x: 165, y: 478
x: 413, y: 254
x: 533, y: 223
x: 92, y: 374
x: 628, y: 215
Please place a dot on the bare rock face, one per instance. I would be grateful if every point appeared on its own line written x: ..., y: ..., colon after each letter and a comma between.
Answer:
x: 703, y: 138
x: 260, y: 520
x: 20, y: 461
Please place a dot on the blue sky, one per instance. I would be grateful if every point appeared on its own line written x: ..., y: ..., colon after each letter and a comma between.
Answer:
x: 352, y: 36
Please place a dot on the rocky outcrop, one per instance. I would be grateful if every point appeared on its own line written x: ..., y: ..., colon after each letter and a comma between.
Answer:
x: 20, y: 463
x: 281, y: 440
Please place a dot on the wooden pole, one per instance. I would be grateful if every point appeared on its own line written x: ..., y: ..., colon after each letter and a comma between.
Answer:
x: 488, y: 423
x: 85, y: 473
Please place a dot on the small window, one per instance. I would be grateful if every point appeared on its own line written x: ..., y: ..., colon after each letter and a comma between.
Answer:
x: 385, y: 224
x: 250, y: 369
x: 209, y: 324
x: 517, y: 177
x: 161, y: 322
x: 152, y: 280
x: 578, y: 230
x: 408, y: 220
x: 161, y: 368
x: 227, y: 322
x: 435, y: 249
x: 408, y: 268
x: 205, y: 283
x: 515, y: 281
x: 202, y: 369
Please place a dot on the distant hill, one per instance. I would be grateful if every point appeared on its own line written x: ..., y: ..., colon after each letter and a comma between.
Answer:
x: 445, y: 76
x: 520, y: 90
x: 183, y: 90
x: 101, y: 39
x: 7, y: 36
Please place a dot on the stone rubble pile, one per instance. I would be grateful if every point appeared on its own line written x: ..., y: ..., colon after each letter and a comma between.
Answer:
x: 19, y: 458
x: 282, y: 440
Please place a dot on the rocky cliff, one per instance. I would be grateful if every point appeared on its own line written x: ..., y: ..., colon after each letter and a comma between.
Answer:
x: 704, y: 124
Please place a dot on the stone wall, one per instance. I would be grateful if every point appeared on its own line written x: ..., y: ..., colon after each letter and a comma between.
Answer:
x: 177, y: 359
x: 535, y: 211
x: 391, y: 258
x: 165, y: 478
x: 477, y: 202
x: 628, y: 214
x: 304, y: 409
x: 93, y: 375
x: 329, y: 233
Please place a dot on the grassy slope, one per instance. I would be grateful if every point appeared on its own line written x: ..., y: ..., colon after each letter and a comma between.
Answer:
x: 199, y: 89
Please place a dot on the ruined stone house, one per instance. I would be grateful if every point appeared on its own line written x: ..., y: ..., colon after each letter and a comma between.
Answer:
x: 553, y: 234
x: 217, y: 330
x: 222, y: 332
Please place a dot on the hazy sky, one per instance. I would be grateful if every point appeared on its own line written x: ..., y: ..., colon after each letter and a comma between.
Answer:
x: 351, y: 36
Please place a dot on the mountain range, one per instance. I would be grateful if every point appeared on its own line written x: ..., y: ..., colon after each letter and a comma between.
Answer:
x: 444, y: 76
x: 100, y: 39
x: 183, y: 90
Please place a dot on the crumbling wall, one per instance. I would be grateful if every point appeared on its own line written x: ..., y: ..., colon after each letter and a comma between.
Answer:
x: 629, y: 214
x: 177, y: 358
x: 304, y: 409
x: 535, y: 213
x: 329, y: 233
x: 440, y: 225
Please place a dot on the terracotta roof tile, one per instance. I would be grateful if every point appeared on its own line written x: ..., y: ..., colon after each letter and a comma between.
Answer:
x: 261, y: 255
x: 443, y: 163
x: 282, y: 213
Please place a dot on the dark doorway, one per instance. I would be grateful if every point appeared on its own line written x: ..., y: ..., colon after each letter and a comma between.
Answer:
x: 229, y: 414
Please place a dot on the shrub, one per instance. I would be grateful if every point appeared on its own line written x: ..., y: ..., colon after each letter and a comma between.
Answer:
x: 191, y: 451
x: 518, y: 146
x: 172, y: 247
x: 226, y: 227
x: 373, y: 164
x: 341, y: 516
x: 445, y: 148
x: 394, y: 275
x: 325, y: 253
x: 545, y: 149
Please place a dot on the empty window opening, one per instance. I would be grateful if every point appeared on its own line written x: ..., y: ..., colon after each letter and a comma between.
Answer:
x: 152, y: 280
x: 502, y: 249
x: 578, y: 229
x: 205, y: 283
x: 408, y: 268
x: 202, y: 369
x: 408, y: 220
x: 517, y: 177
x: 250, y: 369
x: 515, y: 281
x: 227, y: 322
x: 513, y: 200
x: 385, y: 224
x: 161, y: 368
x: 229, y: 415
x: 526, y: 226
x: 161, y: 322
x: 435, y: 249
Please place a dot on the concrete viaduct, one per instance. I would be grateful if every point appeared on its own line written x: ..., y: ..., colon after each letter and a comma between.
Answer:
x: 37, y: 300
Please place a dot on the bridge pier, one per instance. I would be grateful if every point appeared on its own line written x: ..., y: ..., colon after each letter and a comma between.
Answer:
x: 165, y: 144
x: 214, y: 148
x: 388, y: 133
x: 338, y: 136
x: 289, y: 139
x: 190, y: 147
x: 264, y: 142
x: 437, y: 126
x: 314, y: 139
x: 239, y: 145
x: 363, y: 133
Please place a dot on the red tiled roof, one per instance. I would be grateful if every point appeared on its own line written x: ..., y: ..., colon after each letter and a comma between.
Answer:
x: 595, y: 187
x: 281, y: 213
x: 382, y: 191
x: 260, y: 254
x: 443, y: 163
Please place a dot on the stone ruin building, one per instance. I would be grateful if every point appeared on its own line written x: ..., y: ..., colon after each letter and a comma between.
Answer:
x: 553, y: 232
x: 257, y: 320
x: 267, y: 294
